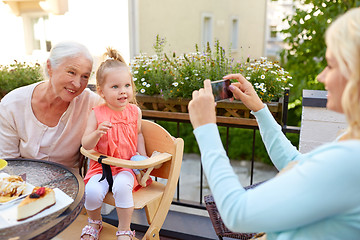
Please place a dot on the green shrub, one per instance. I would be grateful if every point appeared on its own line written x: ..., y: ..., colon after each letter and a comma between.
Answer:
x: 18, y: 74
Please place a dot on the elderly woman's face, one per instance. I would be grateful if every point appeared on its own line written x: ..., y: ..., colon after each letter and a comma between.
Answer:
x: 334, y: 83
x: 71, y: 77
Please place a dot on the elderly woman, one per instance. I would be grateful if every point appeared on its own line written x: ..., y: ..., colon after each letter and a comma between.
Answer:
x: 46, y: 120
x: 319, y: 197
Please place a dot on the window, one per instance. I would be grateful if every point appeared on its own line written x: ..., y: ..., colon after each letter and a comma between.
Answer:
x: 40, y: 39
x: 207, y: 30
x: 36, y: 28
x: 234, y: 33
x: 273, y: 32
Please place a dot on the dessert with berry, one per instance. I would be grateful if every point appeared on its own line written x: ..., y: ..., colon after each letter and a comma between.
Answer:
x: 40, y: 199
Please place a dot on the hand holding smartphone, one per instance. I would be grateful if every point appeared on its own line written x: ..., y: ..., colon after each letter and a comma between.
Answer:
x: 221, y: 89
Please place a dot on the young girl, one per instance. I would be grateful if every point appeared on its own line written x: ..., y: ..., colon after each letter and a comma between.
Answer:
x: 113, y: 129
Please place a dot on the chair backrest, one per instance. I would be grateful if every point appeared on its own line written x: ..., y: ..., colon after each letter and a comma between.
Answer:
x: 158, y: 139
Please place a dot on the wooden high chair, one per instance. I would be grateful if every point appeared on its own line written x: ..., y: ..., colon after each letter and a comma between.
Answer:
x: 157, y: 197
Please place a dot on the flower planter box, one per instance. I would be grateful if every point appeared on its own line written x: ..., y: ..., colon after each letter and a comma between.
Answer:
x: 229, y: 113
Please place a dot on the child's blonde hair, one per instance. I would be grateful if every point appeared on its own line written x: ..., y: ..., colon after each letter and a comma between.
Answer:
x: 113, y: 60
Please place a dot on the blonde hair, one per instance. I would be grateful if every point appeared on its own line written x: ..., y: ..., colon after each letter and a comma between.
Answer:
x: 343, y: 38
x: 113, y: 60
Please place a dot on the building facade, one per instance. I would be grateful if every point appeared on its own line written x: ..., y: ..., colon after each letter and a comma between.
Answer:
x: 238, y: 25
x: 31, y: 27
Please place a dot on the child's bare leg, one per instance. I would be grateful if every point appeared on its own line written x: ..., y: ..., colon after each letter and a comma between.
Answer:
x: 94, y: 215
x: 124, y: 215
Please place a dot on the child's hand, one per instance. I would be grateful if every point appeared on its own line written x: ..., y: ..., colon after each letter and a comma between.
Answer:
x: 104, y: 127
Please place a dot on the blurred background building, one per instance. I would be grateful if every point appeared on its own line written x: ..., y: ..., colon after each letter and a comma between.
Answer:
x: 29, y: 28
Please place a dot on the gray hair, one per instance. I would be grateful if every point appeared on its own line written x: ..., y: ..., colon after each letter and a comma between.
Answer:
x: 64, y: 50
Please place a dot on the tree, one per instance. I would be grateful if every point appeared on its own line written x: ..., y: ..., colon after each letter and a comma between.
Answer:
x: 305, y: 56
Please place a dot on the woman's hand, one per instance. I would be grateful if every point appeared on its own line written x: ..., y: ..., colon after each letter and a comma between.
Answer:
x: 202, y: 106
x: 244, y: 91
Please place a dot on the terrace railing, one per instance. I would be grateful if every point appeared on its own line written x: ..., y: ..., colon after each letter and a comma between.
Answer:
x: 228, y: 123
x: 184, y: 118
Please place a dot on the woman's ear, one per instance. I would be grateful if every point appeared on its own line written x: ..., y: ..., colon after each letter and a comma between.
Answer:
x: 48, y: 67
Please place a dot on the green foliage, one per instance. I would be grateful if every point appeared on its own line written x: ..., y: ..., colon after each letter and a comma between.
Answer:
x: 305, y: 57
x: 179, y: 76
x: 18, y: 74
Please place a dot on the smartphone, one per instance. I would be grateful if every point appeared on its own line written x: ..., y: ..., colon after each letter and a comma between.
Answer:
x: 221, y: 89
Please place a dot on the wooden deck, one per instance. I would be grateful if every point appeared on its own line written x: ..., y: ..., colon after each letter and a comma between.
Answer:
x: 178, y: 225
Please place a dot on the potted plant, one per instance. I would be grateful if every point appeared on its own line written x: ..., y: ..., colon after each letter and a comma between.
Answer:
x: 165, y: 82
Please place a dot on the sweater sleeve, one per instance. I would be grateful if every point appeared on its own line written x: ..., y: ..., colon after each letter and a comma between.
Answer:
x: 9, y: 139
x: 279, y: 148
x: 312, y: 191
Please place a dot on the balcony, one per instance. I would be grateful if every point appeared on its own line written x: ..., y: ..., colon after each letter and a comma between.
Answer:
x: 188, y: 218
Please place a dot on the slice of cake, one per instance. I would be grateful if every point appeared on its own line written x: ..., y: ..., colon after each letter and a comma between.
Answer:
x: 11, y: 187
x: 40, y: 199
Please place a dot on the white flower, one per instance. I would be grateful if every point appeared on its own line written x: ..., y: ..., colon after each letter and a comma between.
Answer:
x: 148, y: 85
x: 144, y: 83
x: 142, y: 79
x: 136, y: 72
x: 186, y: 78
x: 134, y: 79
x: 262, y: 76
x: 175, y: 84
x: 248, y: 78
x: 291, y: 85
x: 142, y: 90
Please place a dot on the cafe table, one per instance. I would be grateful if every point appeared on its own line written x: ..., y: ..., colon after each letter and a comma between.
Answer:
x: 47, y: 174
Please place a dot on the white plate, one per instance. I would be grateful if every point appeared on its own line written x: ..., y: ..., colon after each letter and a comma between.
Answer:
x: 8, y: 215
x: 28, y: 189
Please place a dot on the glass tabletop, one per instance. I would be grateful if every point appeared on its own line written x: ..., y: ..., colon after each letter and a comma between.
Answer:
x: 53, y: 175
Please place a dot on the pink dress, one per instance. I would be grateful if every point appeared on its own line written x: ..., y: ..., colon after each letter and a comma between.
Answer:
x: 120, y: 140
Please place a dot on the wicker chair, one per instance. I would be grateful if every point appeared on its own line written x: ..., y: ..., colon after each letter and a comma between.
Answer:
x: 220, y: 229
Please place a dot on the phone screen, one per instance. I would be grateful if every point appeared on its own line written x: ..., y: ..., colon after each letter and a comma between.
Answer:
x: 221, y: 89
